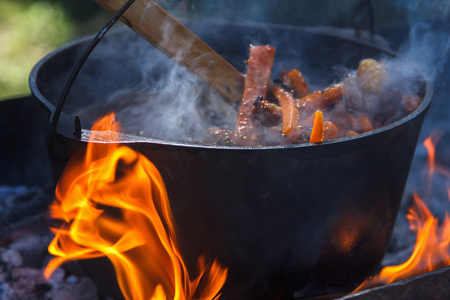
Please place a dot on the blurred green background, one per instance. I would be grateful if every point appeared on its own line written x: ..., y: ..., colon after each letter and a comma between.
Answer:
x: 31, y: 29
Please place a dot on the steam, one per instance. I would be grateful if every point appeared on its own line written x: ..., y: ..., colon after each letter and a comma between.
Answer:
x: 175, y: 106
x: 169, y: 103
x: 423, y: 55
x: 428, y: 49
x: 425, y: 52
x: 151, y: 95
x: 428, y: 46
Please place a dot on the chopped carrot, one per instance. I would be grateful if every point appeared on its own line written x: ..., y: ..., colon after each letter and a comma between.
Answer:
x: 330, y: 131
x: 333, y: 93
x: 317, y: 132
x: 319, y: 99
x: 353, y: 122
x: 366, y: 125
x: 360, y: 123
x: 351, y: 133
x: 291, y: 115
x: 298, y: 83
x: 311, y: 102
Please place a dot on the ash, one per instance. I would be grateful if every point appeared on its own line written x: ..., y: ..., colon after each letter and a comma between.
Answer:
x: 27, y: 187
x: 24, y: 255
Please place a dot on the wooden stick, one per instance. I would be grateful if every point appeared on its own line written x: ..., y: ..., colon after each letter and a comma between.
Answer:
x: 179, y: 43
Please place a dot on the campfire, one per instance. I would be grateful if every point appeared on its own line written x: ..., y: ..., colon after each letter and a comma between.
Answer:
x: 87, y: 207
x: 431, y: 249
x: 170, y: 217
x: 113, y: 203
x: 91, y: 233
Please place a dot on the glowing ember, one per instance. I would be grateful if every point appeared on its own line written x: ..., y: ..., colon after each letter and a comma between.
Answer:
x: 431, y: 250
x: 114, y: 204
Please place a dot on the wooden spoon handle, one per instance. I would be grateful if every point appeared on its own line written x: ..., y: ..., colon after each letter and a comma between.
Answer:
x: 179, y: 43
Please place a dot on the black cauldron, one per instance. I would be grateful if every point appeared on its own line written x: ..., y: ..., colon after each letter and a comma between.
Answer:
x: 303, y: 220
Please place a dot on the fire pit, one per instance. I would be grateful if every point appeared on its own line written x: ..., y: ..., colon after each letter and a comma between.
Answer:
x: 282, y: 219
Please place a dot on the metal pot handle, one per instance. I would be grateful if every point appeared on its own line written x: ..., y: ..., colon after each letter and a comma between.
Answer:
x: 62, y: 99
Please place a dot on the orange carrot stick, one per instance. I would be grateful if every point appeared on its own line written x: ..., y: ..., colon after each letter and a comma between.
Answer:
x: 291, y: 114
x: 317, y: 132
x: 360, y: 123
x: 351, y: 133
x: 319, y: 99
x: 333, y: 93
x: 366, y: 125
x: 298, y: 83
x: 311, y: 102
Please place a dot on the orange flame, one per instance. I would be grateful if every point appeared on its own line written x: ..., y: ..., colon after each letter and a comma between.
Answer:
x: 431, y: 250
x: 429, y: 145
x: 114, y: 204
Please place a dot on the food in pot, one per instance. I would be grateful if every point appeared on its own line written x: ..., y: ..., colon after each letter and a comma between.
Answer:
x: 256, y: 84
x: 286, y: 112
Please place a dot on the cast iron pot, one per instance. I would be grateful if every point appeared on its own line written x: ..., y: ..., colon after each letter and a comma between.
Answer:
x: 290, y: 221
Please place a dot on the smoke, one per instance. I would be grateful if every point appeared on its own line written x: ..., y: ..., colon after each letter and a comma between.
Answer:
x: 151, y: 95
x: 428, y: 45
x: 173, y: 106
x: 427, y: 48
x: 169, y: 103
x: 423, y: 54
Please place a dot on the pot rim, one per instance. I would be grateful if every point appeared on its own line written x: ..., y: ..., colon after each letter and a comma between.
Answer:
x: 125, y: 138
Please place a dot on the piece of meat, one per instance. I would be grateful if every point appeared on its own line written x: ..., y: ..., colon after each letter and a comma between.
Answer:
x: 333, y: 93
x: 256, y: 83
x: 298, y: 83
x: 271, y: 136
x: 330, y: 131
x: 218, y: 136
x: 320, y: 99
x: 351, y: 133
x: 361, y: 123
x: 291, y: 114
x: 267, y: 114
x: 411, y: 102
